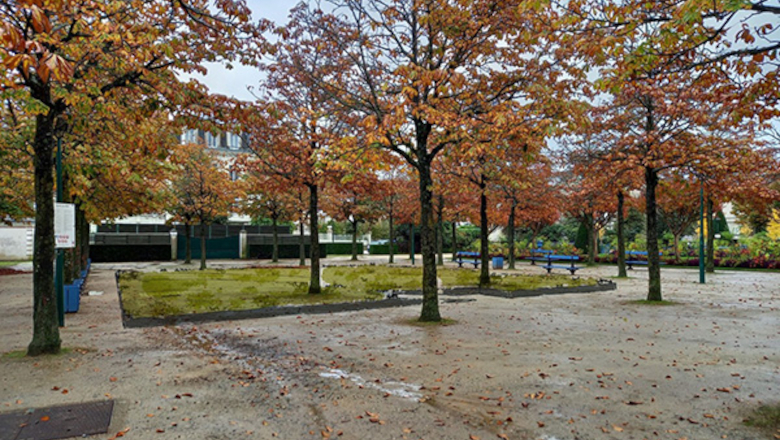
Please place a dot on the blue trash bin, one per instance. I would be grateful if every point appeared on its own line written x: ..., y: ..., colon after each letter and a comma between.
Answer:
x: 72, y: 297
x: 498, y: 262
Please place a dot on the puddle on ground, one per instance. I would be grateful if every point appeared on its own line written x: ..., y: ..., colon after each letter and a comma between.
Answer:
x: 398, y: 389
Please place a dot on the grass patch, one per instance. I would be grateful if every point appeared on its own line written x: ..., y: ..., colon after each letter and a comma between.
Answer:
x: 644, y: 302
x: 470, y: 278
x: 156, y: 294
x: 176, y: 293
x: 10, y: 263
x: 765, y: 417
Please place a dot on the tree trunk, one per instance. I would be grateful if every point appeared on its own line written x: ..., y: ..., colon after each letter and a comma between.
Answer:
x: 411, y: 242
x: 510, y: 235
x: 484, y: 273
x: 594, y: 244
x: 354, y: 240
x: 46, y: 333
x: 392, y: 235
x: 454, y: 239
x: 587, y: 222
x: 440, y: 232
x: 302, y: 246
x: 621, y: 239
x: 202, y: 246
x: 710, y: 238
x: 653, y: 261
x: 677, y: 248
x: 430, y: 304
x: 275, y: 250
x: 187, y: 243
x: 314, y: 282
x: 82, y: 235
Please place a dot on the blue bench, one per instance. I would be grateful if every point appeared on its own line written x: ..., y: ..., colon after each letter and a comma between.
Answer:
x: 571, y: 268
x: 543, y: 252
x: 631, y: 258
x: 468, y: 257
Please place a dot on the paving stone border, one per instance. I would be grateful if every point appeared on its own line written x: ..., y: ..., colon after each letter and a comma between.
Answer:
x: 395, y: 301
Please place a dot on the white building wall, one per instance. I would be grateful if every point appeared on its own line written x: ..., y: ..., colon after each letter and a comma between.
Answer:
x: 16, y: 242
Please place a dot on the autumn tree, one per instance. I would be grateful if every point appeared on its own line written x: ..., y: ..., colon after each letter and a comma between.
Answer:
x: 353, y: 198
x: 678, y: 204
x: 72, y: 57
x: 16, y: 177
x: 201, y: 191
x: 421, y: 75
x: 393, y: 191
x: 529, y: 199
x: 269, y: 196
x: 294, y: 126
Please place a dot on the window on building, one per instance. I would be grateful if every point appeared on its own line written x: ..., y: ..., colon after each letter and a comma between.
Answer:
x: 212, y: 141
x: 233, y: 141
x: 190, y: 136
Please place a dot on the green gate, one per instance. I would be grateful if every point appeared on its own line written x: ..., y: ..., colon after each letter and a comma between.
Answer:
x: 216, y: 248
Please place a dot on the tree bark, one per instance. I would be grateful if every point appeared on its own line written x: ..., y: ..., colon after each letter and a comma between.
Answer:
x: 46, y: 333
x: 187, y: 243
x: 710, y: 268
x: 275, y: 249
x: 411, y: 242
x: 621, y: 237
x: 586, y: 222
x: 677, y: 248
x: 510, y: 235
x: 454, y: 239
x: 590, y: 225
x: 202, y: 246
x: 302, y: 246
x: 653, y: 260
x: 354, y: 240
x: 484, y: 273
x: 314, y: 282
x: 82, y: 235
x: 440, y: 231
x: 430, y: 305
x: 392, y: 235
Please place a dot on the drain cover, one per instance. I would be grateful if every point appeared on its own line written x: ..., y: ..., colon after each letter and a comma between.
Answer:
x: 55, y: 422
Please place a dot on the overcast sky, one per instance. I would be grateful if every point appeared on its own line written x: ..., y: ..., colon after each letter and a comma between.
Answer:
x: 235, y: 82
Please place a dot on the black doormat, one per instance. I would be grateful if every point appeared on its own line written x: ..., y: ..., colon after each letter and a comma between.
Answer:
x: 55, y: 422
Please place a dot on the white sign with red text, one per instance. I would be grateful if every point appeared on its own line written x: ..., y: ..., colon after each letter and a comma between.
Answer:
x: 64, y: 225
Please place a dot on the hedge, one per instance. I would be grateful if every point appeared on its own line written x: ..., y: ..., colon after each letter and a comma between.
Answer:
x: 382, y: 249
x: 342, y: 248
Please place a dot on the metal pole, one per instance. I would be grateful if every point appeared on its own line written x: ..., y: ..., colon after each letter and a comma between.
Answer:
x: 59, y: 274
x: 701, y: 233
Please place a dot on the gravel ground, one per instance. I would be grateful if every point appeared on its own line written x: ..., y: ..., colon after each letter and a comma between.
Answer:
x: 564, y: 367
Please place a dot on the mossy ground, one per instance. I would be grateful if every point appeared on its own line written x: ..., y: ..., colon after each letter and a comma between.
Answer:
x: 415, y: 322
x: 644, y: 302
x: 175, y: 293
x: 20, y: 354
x: 766, y: 417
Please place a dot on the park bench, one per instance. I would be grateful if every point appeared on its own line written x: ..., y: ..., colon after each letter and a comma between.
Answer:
x: 632, y: 258
x: 543, y: 255
x: 571, y: 268
x: 468, y: 257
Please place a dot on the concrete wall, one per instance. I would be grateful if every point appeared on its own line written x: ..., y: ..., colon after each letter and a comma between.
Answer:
x: 16, y: 242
